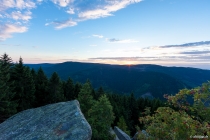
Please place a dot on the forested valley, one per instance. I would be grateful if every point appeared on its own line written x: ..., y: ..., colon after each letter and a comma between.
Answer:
x: 23, y: 88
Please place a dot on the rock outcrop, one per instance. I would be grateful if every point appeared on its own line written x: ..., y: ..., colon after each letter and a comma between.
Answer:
x: 145, y: 133
x: 137, y: 133
x: 57, y: 121
x: 135, y: 136
x: 120, y: 134
x: 113, y: 133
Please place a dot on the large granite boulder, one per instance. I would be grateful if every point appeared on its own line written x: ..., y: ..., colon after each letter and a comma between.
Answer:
x: 120, y: 134
x: 57, y: 121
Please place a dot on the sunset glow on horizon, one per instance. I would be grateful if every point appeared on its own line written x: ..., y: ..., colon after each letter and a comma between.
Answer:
x: 123, y: 32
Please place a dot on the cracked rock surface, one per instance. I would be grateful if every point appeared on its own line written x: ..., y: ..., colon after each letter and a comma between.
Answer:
x: 59, y: 121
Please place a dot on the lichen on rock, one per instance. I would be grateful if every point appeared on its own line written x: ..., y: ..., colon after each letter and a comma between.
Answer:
x: 57, y: 121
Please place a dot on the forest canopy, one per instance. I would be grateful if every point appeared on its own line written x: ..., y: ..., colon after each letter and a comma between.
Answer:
x: 22, y: 87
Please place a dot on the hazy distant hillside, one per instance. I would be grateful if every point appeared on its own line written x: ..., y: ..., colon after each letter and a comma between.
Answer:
x: 126, y: 81
x: 139, y: 79
x: 43, y: 65
x: 190, y: 76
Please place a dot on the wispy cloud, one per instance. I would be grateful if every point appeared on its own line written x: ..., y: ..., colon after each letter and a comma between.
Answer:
x: 17, y: 4
x: 124, y: 58
x: 15, y: 15
x: 39, y: 0
x: 196, y: 52
x: 92, y: 45
x: 173, y: 59
x: 70, y: 11
x: 193, y: 44
x: 98, y: 36
x: 6, y: 30
x: 92, y: 9
x: 18, y: 15
x: 63, y: 3
x: 9, y: 45
x: 199, y: 54
x: 104, y: 8
x: 15, y: 12
x: 114, y: 40
x: 62, y: 24
x: 35, y: 47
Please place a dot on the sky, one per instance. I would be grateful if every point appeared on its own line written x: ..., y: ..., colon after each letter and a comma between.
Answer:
x: 125, y: 32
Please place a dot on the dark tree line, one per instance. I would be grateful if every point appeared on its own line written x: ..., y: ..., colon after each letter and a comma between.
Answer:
x: 129, y: 109
x: 22, y: 88
x: 7, y: 89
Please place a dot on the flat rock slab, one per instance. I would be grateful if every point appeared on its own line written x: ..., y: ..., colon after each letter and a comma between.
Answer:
x: 59, y: 121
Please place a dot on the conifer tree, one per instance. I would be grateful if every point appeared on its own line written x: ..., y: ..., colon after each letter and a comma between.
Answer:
x: 122, y: 125
x: 69, y: 90
x: 126, y: 112
x: 29, y: 87
x: 77, y: 89
x: 55, y: 89
x: 93, y: 93
x: 24, y: 86
x: 100, y: 117
x: 85, y: 98
x: 7, y: 105
x: 99, y: 93
x: 34, y: 75
x: 41, y: 84
x: 6, y: 60
x: 133, y: 113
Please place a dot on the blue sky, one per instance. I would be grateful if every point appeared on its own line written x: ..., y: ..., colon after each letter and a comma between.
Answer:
x: 107, y: 31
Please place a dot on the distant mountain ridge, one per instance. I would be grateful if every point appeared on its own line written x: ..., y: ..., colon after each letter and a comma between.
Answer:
x: 122, y: 79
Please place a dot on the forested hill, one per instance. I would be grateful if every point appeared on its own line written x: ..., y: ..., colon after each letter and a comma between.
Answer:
x: 139, y: 79
x: 191, y: 76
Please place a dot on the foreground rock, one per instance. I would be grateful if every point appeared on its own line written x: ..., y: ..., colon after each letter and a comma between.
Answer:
x: 113, y: 133
x: 51, y: 122
x: 135, y: 136
x: 120, y: 134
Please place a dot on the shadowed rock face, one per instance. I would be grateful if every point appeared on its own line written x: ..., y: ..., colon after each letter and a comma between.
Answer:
x: 120, y: 134
x: 62, y: 120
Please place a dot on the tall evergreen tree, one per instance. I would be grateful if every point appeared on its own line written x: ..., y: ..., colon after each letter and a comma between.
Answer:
x: 126, y: 112
x: 29, y: 87
x: 122, y: 125
x: 133, y: 113
x: 41, y: 84
x: 77, y: 89
x: 6, y: 60
x: 85, y: 98
x: 100, y: 117
x: 99, y: 93
x: 7, y: 105
x: 33, y: 74
x: 69, y: 90
x: 6, y: 64
x: 24, y: 86
x: 55, y: 89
